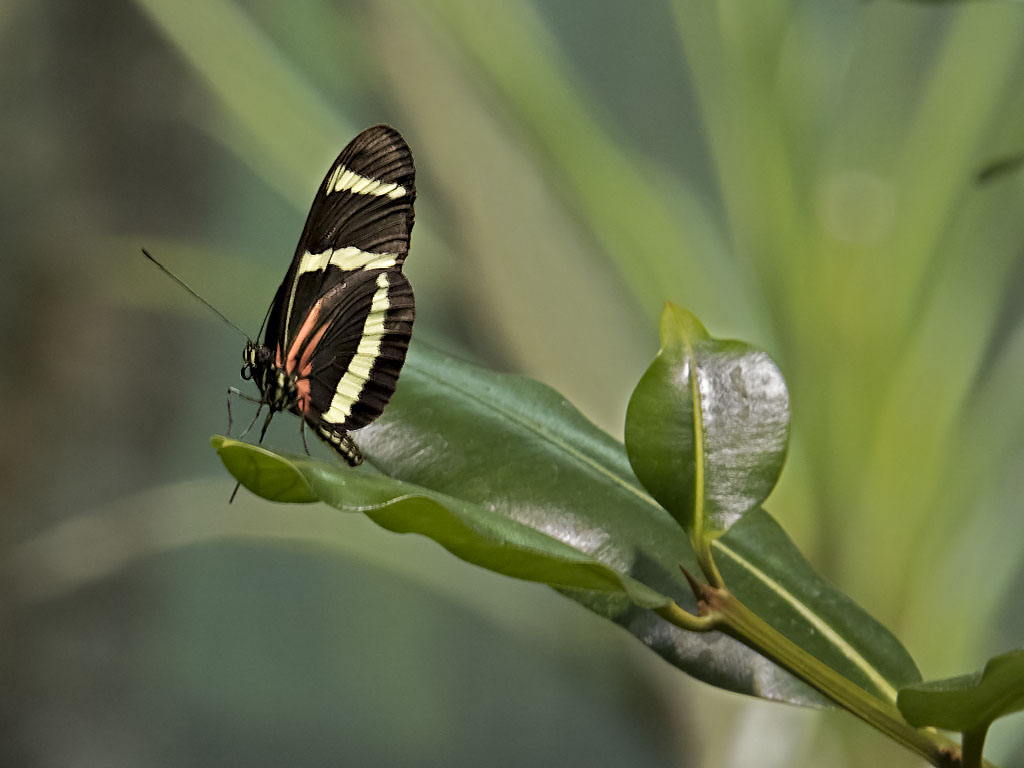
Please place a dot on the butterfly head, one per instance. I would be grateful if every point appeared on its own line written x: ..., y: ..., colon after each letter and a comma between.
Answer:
x: 253, y: 358
x: 279, y: 388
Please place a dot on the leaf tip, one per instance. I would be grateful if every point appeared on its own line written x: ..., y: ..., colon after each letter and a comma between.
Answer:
x: 679, y: 326
x: 263, y: 472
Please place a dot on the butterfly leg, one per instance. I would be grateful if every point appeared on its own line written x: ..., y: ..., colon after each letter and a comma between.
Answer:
x: 239, y: 393
x: 263, y: 433
x: 302, y: 431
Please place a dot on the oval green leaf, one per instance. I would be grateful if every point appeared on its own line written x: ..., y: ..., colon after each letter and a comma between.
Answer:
x: 513, y: 447
x: 707, y: 427
x: 969, y: 702
x: 263, y: 472
x: 468, y: 531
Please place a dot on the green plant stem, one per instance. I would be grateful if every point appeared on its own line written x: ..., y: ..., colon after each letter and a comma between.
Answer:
x: 728, y: 614
x: 675, y: 615
x: 974, y: 741
x: 706, y: 561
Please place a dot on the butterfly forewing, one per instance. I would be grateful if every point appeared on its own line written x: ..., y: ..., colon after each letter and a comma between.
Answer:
x: 361, y: 218
x: 366, y: 199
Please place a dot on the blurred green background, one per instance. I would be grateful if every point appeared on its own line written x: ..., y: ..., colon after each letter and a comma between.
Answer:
x: 802, y: 175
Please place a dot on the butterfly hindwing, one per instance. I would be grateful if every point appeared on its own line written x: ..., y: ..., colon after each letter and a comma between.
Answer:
x: 351, y: 355
x: 361, y: 218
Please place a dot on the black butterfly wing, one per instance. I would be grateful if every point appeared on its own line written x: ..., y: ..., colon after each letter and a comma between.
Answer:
x: 350, y: 348
x: 361, y: 219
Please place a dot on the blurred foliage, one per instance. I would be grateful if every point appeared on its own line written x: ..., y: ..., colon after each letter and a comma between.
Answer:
x: 802, y: 175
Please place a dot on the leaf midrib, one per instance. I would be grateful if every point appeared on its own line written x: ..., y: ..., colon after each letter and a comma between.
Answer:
x: 837, y: 640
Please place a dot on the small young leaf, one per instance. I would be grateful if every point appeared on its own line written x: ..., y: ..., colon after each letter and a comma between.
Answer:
x: 968, y: 702
x: 708, y: 425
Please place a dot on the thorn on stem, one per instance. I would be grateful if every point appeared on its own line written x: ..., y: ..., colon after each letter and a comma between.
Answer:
x: 699, y: 591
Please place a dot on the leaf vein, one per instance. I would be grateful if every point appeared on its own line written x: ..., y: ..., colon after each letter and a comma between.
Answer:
x: 837, y: 640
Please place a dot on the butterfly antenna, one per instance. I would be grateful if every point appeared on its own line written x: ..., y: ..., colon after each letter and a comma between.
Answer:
x: 195, y: 295
x: 267, y: 316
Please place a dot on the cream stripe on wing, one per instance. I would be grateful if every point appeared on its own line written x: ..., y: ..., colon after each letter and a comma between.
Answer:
x: 346, y: 258
x: 342, y: 178
x: 351, y: 384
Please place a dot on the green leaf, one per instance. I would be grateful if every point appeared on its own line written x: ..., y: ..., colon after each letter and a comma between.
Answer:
x: 764, y: 568
x: 514, y: 447
x: 968, y: 702
x: 470, y: 532
x: 707, y: 426
x: 264, y: 473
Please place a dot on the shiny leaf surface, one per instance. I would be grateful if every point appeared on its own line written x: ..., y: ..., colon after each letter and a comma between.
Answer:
x: 764, y: 568
x: 707, y: 426
x: 470, y: 532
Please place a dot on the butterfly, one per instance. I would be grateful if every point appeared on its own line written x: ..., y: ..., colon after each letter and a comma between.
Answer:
x: 336, y: 334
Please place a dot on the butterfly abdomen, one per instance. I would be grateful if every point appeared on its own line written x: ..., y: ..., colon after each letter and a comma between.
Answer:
x: 341, y: 442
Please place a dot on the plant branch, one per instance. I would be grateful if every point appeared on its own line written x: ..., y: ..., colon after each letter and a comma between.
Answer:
x: 722, y: 610
x: 673, y: 614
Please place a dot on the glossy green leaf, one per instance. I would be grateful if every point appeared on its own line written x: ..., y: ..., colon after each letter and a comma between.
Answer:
x: 514, y: 447
x: 707, y: 426
x: 968, y: 702
x: 264, y: 473
x: 469, y: 531
x: 764, y: 568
